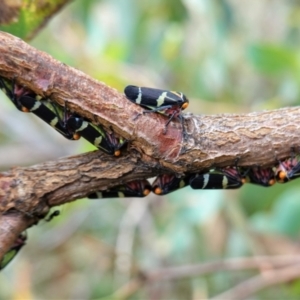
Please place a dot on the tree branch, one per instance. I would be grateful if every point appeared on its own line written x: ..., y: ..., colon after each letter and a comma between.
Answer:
x: 32, y: 191
x: 57, y: 182
x: 256, y: 138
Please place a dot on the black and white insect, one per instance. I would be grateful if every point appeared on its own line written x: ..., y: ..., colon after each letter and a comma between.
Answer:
x: 168, y: 103
x: 68, y: 124
x: 13, y: 251
x: 96, y: 135
x: 261, y: 176
x: 15, y: 92
x: 51, y: 113
x: 226, y: 178
x: 136, y: 188
x: 27, y: 101
x: 167, y: 183
x: 288, y: 169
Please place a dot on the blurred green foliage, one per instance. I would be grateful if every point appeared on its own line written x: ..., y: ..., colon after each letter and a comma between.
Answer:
x: 227, y: 56
x: 28, y: 16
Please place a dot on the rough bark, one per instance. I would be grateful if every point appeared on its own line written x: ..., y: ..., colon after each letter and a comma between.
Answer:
x: 36, y: 189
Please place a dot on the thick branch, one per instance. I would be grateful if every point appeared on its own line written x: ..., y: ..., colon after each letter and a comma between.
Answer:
x: 256, y: 138
x: 57, y: 182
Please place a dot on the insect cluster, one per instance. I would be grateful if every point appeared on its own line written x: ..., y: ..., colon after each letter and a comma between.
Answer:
x: 73, y: 126
x: 229, y: 178
x: 68, y: 124
x: 168, y: 103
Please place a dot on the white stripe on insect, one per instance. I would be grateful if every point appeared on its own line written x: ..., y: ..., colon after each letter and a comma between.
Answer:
x: 205, y: 180
x: 181, y: 184
x: 225, y: 182
x: 54, y: 122
x: 83, y: 126
x: 161, y: 99
x: 139, y: 97
x: 99, y: 195
x: 98, y: 141
x: 36, y: 106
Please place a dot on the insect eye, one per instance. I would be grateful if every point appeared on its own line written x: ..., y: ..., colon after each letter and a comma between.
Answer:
x: 271, y: 182
x: 184, y: 105
x: 158, y: 191
x: 117, y: 153
x: 282, y: 175
x: 25, y: 109
x: 245, y: 180
x: 76, y: 136
x: 146, y: 192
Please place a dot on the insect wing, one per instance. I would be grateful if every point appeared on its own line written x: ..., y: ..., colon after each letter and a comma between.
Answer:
x: 261, y: 176
x: 167, y: 183
x: 107, y: 194
x: 136, y: 188
x: 295, y: 172
x: 154, y: 98
x: 288, y: 170
x: 146, y: 97
x: 14, y: 92
x: 49, y: 112
x: 6, y: 88
x: 97, y: 136
x: 210, y: 181
x: 116, y: 142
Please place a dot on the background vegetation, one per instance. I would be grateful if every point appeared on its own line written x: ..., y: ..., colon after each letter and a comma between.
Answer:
x: 228, y: 56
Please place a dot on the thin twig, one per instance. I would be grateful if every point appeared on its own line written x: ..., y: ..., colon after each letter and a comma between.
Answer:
x: 235, y: 264
x: 255, y: 284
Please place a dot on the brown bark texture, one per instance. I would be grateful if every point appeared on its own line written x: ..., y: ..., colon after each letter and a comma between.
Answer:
x: 208, y: 141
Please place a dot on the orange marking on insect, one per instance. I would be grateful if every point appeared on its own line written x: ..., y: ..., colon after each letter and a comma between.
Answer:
x: 117, y: 153
x: 184, y: 105
x: 244, y: 180
x: 146, y: 192
x: 25, y: 109
x: 158, y: 191
x: 282, y: 175
x: 272, y: 181
x: 76, y: 136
